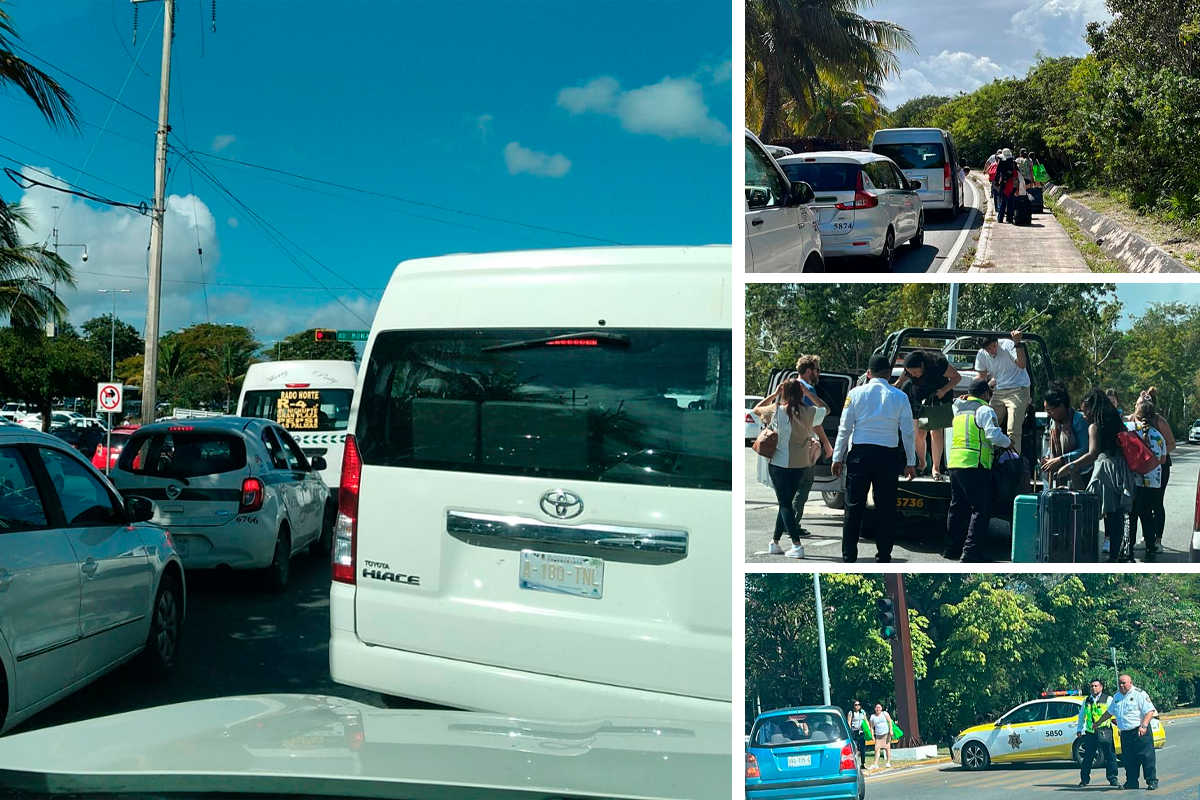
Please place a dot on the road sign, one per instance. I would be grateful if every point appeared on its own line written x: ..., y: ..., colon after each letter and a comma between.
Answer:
x: 110, y: 396
x: 353, y: 336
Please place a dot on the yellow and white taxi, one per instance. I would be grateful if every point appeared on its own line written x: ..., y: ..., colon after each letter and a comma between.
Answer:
x: 1040, y: 730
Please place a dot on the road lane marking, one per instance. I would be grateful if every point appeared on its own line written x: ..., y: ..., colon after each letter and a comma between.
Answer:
x: 952, y: 257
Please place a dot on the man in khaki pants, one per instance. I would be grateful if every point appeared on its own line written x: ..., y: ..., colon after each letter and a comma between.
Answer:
x: 1002, y: 364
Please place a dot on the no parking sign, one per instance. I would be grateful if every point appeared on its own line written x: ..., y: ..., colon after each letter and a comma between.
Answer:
x: 109, y: 397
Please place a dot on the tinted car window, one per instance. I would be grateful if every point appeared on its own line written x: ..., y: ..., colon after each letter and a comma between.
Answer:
x: 644, y: 406
x: 84, y: 499
x: 821, y: 727
x: 292, y: 451
x: 926, y: 155
x: 824, y: 177
x: 20, y: 504
x: 274, y: 449
x: 765, y: 187
x: 1031, y: 713
x: 178, y: 454
x: 882, y: 175
x: 301, y: 409
x: 1062, y: 710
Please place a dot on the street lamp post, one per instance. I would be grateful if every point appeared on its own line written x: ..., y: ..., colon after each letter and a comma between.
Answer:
x: 112, y: 362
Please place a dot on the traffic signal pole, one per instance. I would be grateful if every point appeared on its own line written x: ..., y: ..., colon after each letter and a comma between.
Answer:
x: 902, y: 663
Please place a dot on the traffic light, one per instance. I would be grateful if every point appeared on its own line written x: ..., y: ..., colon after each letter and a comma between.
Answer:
x: 325, y: 335
x: 887, y: 617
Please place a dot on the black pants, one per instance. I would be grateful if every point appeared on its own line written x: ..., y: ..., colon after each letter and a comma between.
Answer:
x: 860, y: 744
x: 1114, y: 529
x: 870, y: 466
x: 970, y: 513
x: 1137, y: 756
x: 787, y: 483
x: 1147, y: 509
x: 1092, y: 743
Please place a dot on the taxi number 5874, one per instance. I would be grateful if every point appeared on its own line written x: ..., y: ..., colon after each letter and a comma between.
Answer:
x: 843, y: 226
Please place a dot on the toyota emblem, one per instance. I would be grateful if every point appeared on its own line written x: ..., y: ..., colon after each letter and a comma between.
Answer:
x: 173, y: 490
x: 562, y: 504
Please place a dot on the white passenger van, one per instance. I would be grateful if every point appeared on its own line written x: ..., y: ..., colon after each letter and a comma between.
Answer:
x: 311, y: 400
x: 926, y: 155
x: 536, y: 494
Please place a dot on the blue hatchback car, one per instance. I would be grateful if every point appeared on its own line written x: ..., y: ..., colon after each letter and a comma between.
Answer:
x: 803, y: 753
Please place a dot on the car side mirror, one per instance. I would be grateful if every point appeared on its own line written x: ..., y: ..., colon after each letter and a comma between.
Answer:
x: 801, y: 194
x: 914, y: 185
x: 138, y: 509
x: 318, y: 463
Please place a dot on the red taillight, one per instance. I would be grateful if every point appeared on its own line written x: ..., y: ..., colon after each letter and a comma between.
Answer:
x: 344, y: 539
x: 180, y: 428
x: 252, y: 496
x: 862, y: 198
x: 848, y: 761
x: 749, y: 418
x: 572, y: 343
x: 946, y: 173
x: 752, y: 767
x: 296, y: 385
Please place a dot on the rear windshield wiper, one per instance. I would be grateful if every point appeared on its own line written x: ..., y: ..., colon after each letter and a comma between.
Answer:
x: 585, y: 339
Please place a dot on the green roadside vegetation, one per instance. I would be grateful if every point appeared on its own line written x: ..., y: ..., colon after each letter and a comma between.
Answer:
x: 981, y: 643
x: 1096, y: 259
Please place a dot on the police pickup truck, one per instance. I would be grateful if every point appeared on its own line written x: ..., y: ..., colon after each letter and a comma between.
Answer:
x: 924, y: 501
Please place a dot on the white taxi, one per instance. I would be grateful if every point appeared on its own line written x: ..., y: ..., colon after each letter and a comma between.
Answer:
x: 1040, y: 730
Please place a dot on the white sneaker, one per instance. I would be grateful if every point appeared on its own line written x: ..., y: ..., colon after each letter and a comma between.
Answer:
x: 795, y: 552
x: 774, y: 549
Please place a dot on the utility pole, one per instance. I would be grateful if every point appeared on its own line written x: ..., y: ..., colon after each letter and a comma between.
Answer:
x: 51, y: 328
x: 150, y: 369
x: 821, y: 637
x: 952, y: 313
x: 902, y: 662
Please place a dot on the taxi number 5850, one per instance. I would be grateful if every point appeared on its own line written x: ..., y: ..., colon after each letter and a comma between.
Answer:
x: 910, y: 502
x: 1052, y: 734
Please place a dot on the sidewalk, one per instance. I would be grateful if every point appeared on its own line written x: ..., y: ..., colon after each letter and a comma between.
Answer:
x: 1043, y: 246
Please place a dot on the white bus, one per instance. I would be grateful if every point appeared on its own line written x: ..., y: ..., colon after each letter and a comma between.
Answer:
x: 311, y: 399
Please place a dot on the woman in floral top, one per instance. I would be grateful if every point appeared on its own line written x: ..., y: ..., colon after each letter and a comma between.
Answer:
x: 1148, y: 501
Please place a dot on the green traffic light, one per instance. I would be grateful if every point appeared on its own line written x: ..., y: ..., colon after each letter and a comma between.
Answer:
x: 888, y: 632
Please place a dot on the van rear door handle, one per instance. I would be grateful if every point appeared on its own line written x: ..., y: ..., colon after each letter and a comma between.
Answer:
x: 756, y: 221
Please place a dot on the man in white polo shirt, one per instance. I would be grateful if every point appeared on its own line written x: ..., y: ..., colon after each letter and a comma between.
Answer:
x: 1133, y: 712
x: 1002, y: 363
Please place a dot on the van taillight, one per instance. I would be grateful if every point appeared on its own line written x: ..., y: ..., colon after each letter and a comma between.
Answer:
x: 252, y: 496
x: 848, y: 761
x: 344, y: 540
x: 946, y: 172
x: 752, y: 767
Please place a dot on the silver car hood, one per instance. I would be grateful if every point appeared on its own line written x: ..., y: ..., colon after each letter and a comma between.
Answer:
x: 317, y: 745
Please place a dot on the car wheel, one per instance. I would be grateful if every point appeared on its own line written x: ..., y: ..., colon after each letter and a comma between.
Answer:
x: 834, y: 499
x: 157, y: 658
x: 975, y: 757
x: 918, y: 239
x: 281, y: 563
x: 814, y: 264
x: 887, y: 259
x: 321, y: 547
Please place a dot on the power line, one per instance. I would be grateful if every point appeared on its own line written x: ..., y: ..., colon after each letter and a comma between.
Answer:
x: 280, y: 286
x: 22, y: 180
x: 61, y: 164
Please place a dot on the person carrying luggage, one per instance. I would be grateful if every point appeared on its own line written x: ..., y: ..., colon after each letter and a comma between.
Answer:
x: 1006, y: 187
x: 1068, y: 434
x: 1113, y: 483
x: 928, y: 379
x: 975, y: 433
x: 1004, y: 364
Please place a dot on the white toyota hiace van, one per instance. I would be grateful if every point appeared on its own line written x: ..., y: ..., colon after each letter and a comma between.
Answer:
x: 536, y: 491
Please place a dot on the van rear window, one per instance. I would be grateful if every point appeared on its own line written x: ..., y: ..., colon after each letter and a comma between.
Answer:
x: 835, y: 177
x: 925, y: 155
x: 182, y: 455
x: 301, y: 409
x: 641, y: 406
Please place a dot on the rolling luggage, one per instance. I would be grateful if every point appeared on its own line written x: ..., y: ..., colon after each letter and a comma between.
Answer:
x: 1068, y: 527
x: 1037, y: 199
x: 1025, y: 529
x: 1024, y: 214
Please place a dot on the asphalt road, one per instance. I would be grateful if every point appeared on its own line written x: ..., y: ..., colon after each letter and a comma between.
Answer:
x: 1178, y: 775
x: 941, y: 235
x: 237, y: 639
x: 924, y: 543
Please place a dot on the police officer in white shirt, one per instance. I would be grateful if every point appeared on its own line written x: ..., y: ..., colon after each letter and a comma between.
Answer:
x: 1003, y: 364
x: 1132, y: 710
x: 875, y: 418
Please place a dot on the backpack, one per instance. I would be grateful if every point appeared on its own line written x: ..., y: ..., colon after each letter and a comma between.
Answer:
x: 991, y: 170
x: 1138, y: 455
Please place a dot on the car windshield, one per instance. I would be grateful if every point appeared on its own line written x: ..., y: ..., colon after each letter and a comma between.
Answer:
x: 183, y: 454
x: 301, y: 410
x: 628, y: 406
x: 813, y: 727
x: 827, y: 177
x: 924, y: 155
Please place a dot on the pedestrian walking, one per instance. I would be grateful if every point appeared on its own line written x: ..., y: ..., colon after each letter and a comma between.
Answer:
x: 791, y: 465
x: 975, y: 434
x: 929, y: 380
x: 990, y: 169
x: 1148, y: 506
x: 1111, y: 481
x: 1068, y: 435
x: 855, y: 718
x: 876, y: 419
x: 1132, y: 711
x: 1097, y: 738
x: 1006, y: 187
x: 1162, y: 426
x: 881, y: 727
x: 1003, y: 364
x: 1025, y: 166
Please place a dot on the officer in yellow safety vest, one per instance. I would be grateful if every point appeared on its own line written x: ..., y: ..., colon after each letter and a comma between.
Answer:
x: 1096, y: 735
x: 976, y: 432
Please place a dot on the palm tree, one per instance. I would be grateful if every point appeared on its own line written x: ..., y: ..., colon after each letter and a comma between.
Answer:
x: 800, y: 43
x: 230, y: 361
x: 175, y: 363
x: 843, y: 111
x: 27, y: 274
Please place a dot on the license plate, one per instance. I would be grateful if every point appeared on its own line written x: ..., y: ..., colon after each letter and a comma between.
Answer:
x: 799, y: 761
x: 552, y: 572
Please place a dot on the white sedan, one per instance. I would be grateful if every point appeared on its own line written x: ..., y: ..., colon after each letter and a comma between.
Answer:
x: 753, y: 426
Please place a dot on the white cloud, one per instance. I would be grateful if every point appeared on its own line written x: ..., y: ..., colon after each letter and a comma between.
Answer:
x: 232, y: 222
x: 484, y: 124
x: 721, y: 73
x: 221, y: 142
x: 947, y: 73
x: 1058, y: 25
x: 673, y: 108
x: 520, y: 159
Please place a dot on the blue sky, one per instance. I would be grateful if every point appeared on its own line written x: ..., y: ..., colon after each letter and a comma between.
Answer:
x: 608, y: 120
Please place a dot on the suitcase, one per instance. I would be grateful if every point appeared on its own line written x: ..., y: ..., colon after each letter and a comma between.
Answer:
x: 1068, y: 525
x: 1037, y: 199
x: 1024, y: 215
x: 1025, y: 529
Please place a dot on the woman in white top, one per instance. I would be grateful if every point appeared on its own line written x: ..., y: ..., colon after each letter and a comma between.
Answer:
x: 1148, y: 501
x: 792, y: 464
x: 881, y: 726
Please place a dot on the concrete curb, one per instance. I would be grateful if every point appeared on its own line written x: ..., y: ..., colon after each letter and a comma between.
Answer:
x: 985, y: 233
x: 930, y: 762
x: 1117, y: 241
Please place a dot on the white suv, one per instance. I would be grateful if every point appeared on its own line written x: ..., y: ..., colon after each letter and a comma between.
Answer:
x: 535, y: 511
x: 781, y: 231
x: 1194, y: 433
